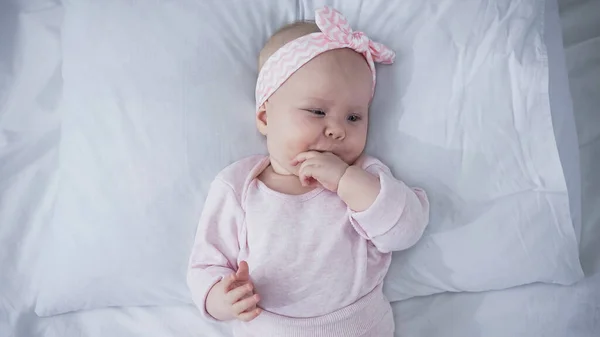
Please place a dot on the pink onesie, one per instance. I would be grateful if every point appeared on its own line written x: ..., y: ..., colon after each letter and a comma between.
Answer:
x: 317, y: 265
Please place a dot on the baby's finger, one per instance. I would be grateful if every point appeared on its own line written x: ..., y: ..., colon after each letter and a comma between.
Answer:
x: 307, y: 174
x: 228, y: 281
x: 305, y: 177
x: 249, y: 315
x: 251, y: 308
x: 243, y: 273
x: 245, y: 304
x: 309, y: 181
x: 238, y: 293
x: 304, y: 156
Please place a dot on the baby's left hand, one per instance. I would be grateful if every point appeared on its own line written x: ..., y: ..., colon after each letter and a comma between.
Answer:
x: 324, y: 168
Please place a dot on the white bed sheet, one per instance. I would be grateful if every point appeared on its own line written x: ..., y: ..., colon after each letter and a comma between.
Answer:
x: 29, y: 124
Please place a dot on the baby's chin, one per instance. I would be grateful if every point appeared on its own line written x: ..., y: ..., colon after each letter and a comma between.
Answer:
x: 284, y: 169
x: 351, y: 160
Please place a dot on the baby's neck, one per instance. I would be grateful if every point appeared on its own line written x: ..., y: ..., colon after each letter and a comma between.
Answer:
x: 287, y: 184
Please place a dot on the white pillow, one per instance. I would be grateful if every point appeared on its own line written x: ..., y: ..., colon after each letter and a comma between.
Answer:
x: 158, y: 97
x: 561, y: 106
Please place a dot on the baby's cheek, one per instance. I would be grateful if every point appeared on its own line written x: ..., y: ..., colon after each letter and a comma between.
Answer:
x: 355, y: 148
x: 297, y: 141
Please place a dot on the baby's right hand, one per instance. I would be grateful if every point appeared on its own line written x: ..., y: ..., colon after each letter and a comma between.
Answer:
x: 233, y: 297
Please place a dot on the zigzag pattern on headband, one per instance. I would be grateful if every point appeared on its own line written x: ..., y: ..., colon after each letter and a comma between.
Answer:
x: 335, y: 34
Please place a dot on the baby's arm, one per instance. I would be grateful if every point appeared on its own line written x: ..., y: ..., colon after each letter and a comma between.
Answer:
x: 217, y: 289
x: 385, y: 210
x: 358, y: 188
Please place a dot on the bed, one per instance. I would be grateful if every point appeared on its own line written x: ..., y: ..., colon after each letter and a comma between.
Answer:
x: 30, y: 90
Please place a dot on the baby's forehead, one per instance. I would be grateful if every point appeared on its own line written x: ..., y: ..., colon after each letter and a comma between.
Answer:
x: 284, y: 35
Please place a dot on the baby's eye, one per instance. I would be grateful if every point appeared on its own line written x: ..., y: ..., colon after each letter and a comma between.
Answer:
x: 353, y: 118
x: 317, y: 112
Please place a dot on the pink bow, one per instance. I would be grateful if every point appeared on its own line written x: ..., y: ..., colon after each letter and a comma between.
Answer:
x: 335, y: 33
x: 333, y: 24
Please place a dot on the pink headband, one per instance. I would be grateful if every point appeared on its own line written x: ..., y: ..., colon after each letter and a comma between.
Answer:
x: 335, y: 34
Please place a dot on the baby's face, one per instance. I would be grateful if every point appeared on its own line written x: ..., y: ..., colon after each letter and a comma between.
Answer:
x: 324, y: 107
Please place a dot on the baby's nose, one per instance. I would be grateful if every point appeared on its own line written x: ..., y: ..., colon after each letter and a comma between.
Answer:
x: 335, y: 131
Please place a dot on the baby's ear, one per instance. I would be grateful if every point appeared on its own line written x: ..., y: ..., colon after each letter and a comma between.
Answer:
x: 261, y: 119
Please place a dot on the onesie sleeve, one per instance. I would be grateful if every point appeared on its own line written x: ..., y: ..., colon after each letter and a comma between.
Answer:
x: 398, y: 216
x: 216, y: 247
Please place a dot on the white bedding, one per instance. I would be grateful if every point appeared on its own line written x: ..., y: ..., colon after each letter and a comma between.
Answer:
x: 29, y: 90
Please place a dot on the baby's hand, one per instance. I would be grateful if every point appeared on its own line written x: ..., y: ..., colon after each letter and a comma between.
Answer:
x: 324, y: 168
x: 233, y: 297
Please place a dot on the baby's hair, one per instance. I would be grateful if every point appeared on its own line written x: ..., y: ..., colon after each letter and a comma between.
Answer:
x: 284, y: 35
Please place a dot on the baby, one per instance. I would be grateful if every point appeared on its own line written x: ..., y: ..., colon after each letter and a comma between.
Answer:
x: 297, y: 243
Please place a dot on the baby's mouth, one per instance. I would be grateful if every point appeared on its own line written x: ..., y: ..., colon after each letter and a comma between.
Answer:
x: 324, y: 151
x: 330, y: 151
